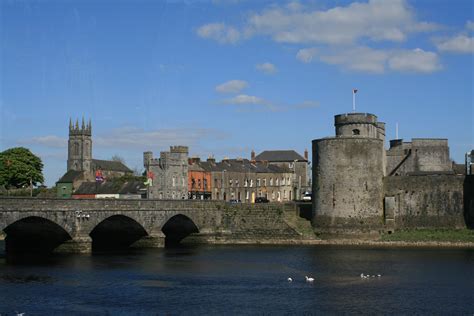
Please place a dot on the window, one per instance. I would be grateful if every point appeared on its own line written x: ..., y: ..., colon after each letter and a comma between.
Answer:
x: 288, y: 182
x: 278, y: 196
x: 291, y: 165
x: 264, y: 182
x: 355, y: 132
x: 284, y: 194
x: 199, y: 183
x: 205, y: 183
x: 246, y: 195
x: 273, y: 195
x: 251, y: 182
x: 258, y: 182
x: 174, y: 181
x: 193, y: 182
x: 276, y: 182
x: 282, y: 181
x: 230, y: 182
x: 246, y: 182
x: 236, y: 183
x: 215, y: 184
x: 271, y: 181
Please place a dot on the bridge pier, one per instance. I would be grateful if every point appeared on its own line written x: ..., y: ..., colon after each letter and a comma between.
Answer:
x: 76, y: 245
x: 151, y: 241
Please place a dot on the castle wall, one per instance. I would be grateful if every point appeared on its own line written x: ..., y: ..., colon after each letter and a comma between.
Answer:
x: 347, y: 184
x: 430, y: 201
x: 418, y: 156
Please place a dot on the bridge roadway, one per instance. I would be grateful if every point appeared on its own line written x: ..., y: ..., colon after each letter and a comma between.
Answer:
x: 73, y: 225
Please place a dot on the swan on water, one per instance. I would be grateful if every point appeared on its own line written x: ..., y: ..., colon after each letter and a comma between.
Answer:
x: 308, y: 279
x: 290, y: 280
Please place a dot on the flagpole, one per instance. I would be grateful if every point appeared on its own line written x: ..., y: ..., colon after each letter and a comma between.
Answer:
x: 353, y: 101
x: 396, y: 130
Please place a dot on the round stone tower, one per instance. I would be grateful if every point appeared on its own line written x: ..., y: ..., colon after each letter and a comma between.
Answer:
x: 348, y: 176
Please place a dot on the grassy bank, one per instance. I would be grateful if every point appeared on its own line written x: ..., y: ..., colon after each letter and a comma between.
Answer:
x: 442, y: 235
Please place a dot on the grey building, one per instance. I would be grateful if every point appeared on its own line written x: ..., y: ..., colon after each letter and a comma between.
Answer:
x: 294, y: 162
x: 80, y: 165
x: 170, y: 173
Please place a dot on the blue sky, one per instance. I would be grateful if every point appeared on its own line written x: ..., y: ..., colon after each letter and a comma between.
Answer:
x: 228, y: 76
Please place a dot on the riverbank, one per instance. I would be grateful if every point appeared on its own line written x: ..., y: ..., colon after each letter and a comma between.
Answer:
x: 354, y: 243
x: 423, y: 238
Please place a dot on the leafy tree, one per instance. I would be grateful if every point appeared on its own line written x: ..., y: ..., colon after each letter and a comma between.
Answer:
x: 19, y: 166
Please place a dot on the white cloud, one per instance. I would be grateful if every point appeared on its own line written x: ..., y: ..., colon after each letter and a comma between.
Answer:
x: 376, y: 61
x: 267, y: 68
x: 220, y: 32
x: 376, y: 20
x: 306, y: 54
x: 361, y: 59
x: 137, y: 138
x: 232, y: 86
x: 243, y: 99
x: 416, y: 60
x: 47, y: 141
x: 470, y: 25
x: 457, y: 44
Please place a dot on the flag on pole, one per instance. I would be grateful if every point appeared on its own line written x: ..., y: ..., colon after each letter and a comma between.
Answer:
x: 354, y: 91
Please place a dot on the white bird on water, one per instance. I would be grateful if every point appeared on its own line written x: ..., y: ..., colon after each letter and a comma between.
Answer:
x: 290, y: 280
x: 308, y: 279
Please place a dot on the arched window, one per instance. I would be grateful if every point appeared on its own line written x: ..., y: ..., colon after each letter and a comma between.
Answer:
x: 355, y: 132
x: 76, y: 149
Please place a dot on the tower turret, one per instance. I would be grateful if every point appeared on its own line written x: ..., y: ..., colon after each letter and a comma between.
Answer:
x: 79, y: 146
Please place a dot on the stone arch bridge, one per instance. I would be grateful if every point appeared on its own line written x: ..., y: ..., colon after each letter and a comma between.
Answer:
x: 68, y: 225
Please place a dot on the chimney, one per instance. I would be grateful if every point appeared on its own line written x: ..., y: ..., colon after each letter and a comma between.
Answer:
x: 211, y: 159
x: 252, y: 155
x: 306, y: 154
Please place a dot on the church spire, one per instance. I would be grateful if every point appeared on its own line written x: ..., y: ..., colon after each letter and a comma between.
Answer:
x: 83, y: 124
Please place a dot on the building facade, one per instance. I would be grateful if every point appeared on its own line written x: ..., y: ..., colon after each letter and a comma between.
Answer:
x: 294, y: 162
x: 170, y: 173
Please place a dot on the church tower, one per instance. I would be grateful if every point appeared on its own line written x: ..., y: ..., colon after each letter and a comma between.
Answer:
x: 79, y: 146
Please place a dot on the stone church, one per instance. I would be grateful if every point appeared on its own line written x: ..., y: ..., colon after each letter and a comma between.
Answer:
x: 80, y: 165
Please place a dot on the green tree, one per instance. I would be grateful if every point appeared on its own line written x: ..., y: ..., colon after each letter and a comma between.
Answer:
x: 19, y: 167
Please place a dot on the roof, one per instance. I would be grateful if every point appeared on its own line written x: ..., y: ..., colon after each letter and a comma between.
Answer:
x: 279, y: 155
x: 70, y: 176
x: 240, y: 165
x: 110, y: 165
x: 110, y: 187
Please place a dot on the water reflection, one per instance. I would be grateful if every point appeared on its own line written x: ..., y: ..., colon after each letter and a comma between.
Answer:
x: 242, y: 280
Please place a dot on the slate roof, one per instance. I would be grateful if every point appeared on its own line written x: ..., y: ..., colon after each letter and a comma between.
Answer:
x: 110, y: 165
x: 279, y: 155
x: 110, y: 187
x: 70, y: 176
x: 240, y: 165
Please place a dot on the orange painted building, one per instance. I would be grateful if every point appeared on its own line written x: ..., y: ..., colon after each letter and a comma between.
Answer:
x: 199, y: 181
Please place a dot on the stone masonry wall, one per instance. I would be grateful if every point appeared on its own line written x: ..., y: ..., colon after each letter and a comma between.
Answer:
x: 434, y: 201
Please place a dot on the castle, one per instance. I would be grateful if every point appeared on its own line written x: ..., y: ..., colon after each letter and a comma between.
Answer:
x: 361, y: 188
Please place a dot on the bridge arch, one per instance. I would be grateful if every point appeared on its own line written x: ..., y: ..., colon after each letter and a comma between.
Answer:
x: 34, y: 234
x: 116, y: 232
x: 178, y: 227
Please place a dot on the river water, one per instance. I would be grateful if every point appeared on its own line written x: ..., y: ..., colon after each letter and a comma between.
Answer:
x: 237, y: 280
